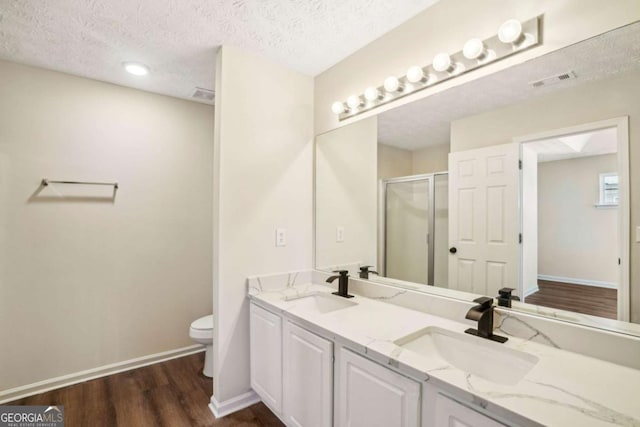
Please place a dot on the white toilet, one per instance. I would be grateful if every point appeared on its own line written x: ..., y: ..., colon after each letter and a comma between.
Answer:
x: 201, y: 331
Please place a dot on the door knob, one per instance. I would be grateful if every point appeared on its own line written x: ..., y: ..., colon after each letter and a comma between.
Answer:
x: 453, y: 250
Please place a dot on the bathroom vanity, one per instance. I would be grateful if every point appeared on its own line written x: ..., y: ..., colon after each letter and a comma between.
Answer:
x: 320, y: 360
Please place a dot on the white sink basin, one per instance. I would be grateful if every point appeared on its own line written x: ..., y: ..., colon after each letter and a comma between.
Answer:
x: 320, y: 302
x: 478, y: 356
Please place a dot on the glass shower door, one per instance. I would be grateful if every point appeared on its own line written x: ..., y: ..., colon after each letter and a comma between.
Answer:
x: 407, y: 225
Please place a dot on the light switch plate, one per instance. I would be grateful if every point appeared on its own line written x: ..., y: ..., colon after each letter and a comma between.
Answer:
x: 638, y: 234
x: 281, y: 237
x: 339, y: 234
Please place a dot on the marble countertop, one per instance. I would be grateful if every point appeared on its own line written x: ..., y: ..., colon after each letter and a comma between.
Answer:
x: 562, y: 389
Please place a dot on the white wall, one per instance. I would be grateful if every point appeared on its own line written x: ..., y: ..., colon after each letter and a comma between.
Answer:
x: 430, y: 159
x: 393, y: 161
x: 346, y: 195
x: 617, y: 96
x: 445, y: 27
x: 576, y: 239
x: 86, y: 280
x: 263, y: 180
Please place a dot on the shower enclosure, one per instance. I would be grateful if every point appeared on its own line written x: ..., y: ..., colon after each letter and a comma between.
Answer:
x: 413, y: 228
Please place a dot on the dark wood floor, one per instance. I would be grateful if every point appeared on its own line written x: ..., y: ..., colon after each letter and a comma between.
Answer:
x: 172, y: 393
x: 592, y: 300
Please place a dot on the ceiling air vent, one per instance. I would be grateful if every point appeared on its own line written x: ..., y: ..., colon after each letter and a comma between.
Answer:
x: 554, y: 79
x: 204, y: 94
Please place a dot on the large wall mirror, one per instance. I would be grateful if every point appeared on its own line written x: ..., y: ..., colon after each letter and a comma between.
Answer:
x: 515, y: 180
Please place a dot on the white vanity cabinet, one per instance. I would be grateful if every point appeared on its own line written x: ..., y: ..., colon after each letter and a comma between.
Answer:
x: 293, y: 371
x: 368, y: 394
x: 266, y: 356
x: 308, y: 378
x: 440, y: 409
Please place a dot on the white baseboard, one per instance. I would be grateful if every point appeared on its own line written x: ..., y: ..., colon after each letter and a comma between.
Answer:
x: 229, y: 406
x: 90, y: 374
x: 531, y: 290
x: 574, y: 281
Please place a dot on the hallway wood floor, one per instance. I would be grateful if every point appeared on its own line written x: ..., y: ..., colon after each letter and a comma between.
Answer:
x: 172, y: 393
x: 592, y: 300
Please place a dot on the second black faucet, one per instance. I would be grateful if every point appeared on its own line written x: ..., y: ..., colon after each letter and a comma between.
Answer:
x: 483, y: 314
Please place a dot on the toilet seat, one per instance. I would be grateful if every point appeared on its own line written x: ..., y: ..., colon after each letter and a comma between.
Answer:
x: 203, y: 323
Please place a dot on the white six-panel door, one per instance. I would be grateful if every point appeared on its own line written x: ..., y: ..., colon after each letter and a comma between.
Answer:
x: 308, y: 378
x: 484, y: 219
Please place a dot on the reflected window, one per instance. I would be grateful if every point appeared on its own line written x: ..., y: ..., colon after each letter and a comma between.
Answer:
x: 609, y: 194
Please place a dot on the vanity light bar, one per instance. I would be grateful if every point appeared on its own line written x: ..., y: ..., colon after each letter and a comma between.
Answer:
x: 513, y: 36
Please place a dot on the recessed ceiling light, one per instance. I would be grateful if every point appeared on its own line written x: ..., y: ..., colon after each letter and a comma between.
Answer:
x: 136, y: 68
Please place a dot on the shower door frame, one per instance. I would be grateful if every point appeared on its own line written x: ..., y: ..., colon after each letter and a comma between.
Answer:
x: 382, y: 223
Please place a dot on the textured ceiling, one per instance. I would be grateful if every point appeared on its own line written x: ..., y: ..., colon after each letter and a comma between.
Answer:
x: 177, y: 39
x: 427, y: 122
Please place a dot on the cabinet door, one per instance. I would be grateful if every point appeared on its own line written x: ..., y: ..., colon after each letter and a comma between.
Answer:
x: 266, y: 356
x: 308, y: 378
x: 370, y: 395
x: 448, y: 412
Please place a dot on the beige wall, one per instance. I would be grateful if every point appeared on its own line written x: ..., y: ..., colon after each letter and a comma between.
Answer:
x: 393, y: 161
x: 346, y: 194
x: 445, y: 27
x: 85, y: 280
x: 263, y: 173
x: 616, y: 97
x: 576, y: 239
x: 430, y: 159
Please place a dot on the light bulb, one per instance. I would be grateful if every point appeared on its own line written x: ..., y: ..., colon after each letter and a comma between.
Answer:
x: 354, y: 101
x: 372, y: 94
x: 510, y: 32
x: 392, y: 84
x: 474, y: 49
x: 442, y: 62
x: 415, y: 74
x: 136, y: 68
x: 338, y: 107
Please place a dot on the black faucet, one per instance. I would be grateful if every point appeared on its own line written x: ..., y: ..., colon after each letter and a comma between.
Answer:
x: 483, y: 314
x: 343, y: 283
x: 364, y: 271
x: 505, y: 297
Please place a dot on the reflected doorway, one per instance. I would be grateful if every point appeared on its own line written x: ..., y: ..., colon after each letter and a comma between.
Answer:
x: 573, y: 214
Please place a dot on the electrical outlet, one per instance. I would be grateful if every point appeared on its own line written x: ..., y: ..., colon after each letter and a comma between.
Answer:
x: 281, y: 237
x: 339, y: 234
